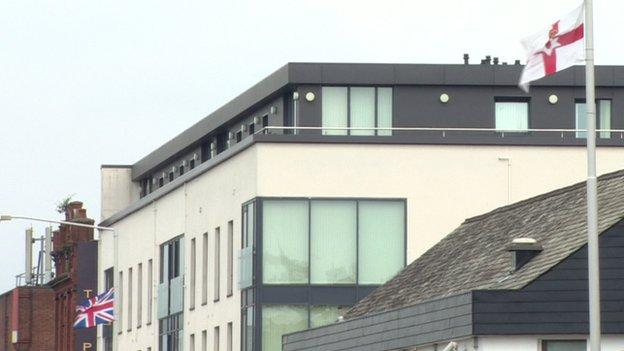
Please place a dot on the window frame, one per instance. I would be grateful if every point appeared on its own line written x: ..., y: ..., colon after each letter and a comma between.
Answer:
x: 513, y: 99
x: 579, y: 135
x: 258, y: 231
x: 376, y: 110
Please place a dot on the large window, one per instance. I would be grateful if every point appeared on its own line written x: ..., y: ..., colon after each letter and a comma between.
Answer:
x: 512, y: 116
x: 170, y: 333
x: 247, y: 319
x: 603, y: 113
x: 285, y: 254
x: 278, y: 320
x: 358, y: 108
x: 325, y: 314
x: 564, y: 345
x: 350, y: 241
x: 333, y: 242
x: 382, y: 240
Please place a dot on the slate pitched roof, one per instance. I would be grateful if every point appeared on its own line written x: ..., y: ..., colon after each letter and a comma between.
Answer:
x: 474, y: 256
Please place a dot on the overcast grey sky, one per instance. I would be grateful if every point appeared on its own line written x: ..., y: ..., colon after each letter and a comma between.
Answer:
x: 85, y: 83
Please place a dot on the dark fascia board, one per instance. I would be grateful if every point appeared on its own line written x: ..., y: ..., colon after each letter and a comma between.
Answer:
x: 178, y: 182
x: 193, y: 135
x: 360, y: 74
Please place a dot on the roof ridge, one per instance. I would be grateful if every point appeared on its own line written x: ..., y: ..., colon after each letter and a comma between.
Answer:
x: 540, y: 197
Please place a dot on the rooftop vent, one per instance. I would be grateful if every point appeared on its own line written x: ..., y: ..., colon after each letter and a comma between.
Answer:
x: 522, y: 251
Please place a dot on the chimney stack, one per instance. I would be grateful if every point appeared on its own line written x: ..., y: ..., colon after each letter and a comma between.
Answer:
x: 496, y: 60
x: 466, y: 59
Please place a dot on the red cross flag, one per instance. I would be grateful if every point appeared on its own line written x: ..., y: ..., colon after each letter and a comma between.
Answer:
x: 555, y: 48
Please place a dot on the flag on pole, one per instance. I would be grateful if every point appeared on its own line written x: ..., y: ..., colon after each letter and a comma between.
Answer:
x: 554, y: 48
x: 94, y: 311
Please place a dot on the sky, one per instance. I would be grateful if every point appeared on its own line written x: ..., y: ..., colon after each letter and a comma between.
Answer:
x: 86, y: 83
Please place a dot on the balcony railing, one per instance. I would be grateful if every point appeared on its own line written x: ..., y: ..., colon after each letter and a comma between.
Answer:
x: 544, y: 133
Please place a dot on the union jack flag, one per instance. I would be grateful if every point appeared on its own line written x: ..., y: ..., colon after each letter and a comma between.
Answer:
x: 94, y: 311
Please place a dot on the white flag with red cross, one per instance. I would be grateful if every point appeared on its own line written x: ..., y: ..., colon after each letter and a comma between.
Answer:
x: 555, y: 48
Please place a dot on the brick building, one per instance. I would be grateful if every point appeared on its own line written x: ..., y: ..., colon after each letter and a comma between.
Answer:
x: 40, y: 318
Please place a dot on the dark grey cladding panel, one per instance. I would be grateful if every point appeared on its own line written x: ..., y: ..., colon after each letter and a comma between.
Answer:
x: 472, y: 75
x: 425, y: 323
x: 487, y: 76
x: 305, y: 73
x: 379, y: 74
x: 557, y: 301
x: 423, y: 74
x: 618, y: 76
x: 241, y: 104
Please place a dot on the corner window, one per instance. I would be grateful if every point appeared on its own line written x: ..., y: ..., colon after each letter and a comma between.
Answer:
x: 603, y: 117
x: 358, y: 108
x: 350, y: 241
x: 564, y: 345
x: 512, y: 116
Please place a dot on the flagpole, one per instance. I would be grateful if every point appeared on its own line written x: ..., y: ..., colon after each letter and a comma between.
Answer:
x: 592, y: 187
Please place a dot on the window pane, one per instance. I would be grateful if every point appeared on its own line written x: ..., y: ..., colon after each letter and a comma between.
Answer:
x: 362, y: 107
x: 333, y: 242
x: 512, y: 116
x: 324, y: 315
x: 381, y: 240
x: 604, y: 108
x: 384, y: 110
x: 581, y: 119
x: 280, y: 320
x: 565, y: 345
x: 334, y: 110
x: 285, y: 238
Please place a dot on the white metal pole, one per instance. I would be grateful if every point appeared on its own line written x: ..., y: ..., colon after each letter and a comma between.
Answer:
x: 592, y: 186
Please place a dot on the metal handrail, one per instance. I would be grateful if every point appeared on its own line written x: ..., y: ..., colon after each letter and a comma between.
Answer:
x: 435, y: 129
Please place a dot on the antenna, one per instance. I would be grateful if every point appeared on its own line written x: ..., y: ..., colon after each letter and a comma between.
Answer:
x: 28, y: 254
x: 47, y: 262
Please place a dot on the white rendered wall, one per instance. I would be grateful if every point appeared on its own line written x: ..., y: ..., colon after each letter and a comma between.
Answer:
x: 200, y: 206
x: 443, y: 185
x: 117, y: 189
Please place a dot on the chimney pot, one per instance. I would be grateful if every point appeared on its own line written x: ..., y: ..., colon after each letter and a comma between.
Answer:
x: 466, y: 59
x: 496, y: 60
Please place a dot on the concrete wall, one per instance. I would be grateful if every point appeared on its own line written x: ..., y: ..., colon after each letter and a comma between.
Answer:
x: 117, y: 189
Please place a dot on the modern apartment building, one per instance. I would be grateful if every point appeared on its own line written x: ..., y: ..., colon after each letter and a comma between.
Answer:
x: 318, y: 184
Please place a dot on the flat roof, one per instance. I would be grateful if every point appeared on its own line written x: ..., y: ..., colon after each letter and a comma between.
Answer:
x: 360, y: 74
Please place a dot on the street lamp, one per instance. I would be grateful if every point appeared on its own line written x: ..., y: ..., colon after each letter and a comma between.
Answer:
x: 6, y: 218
